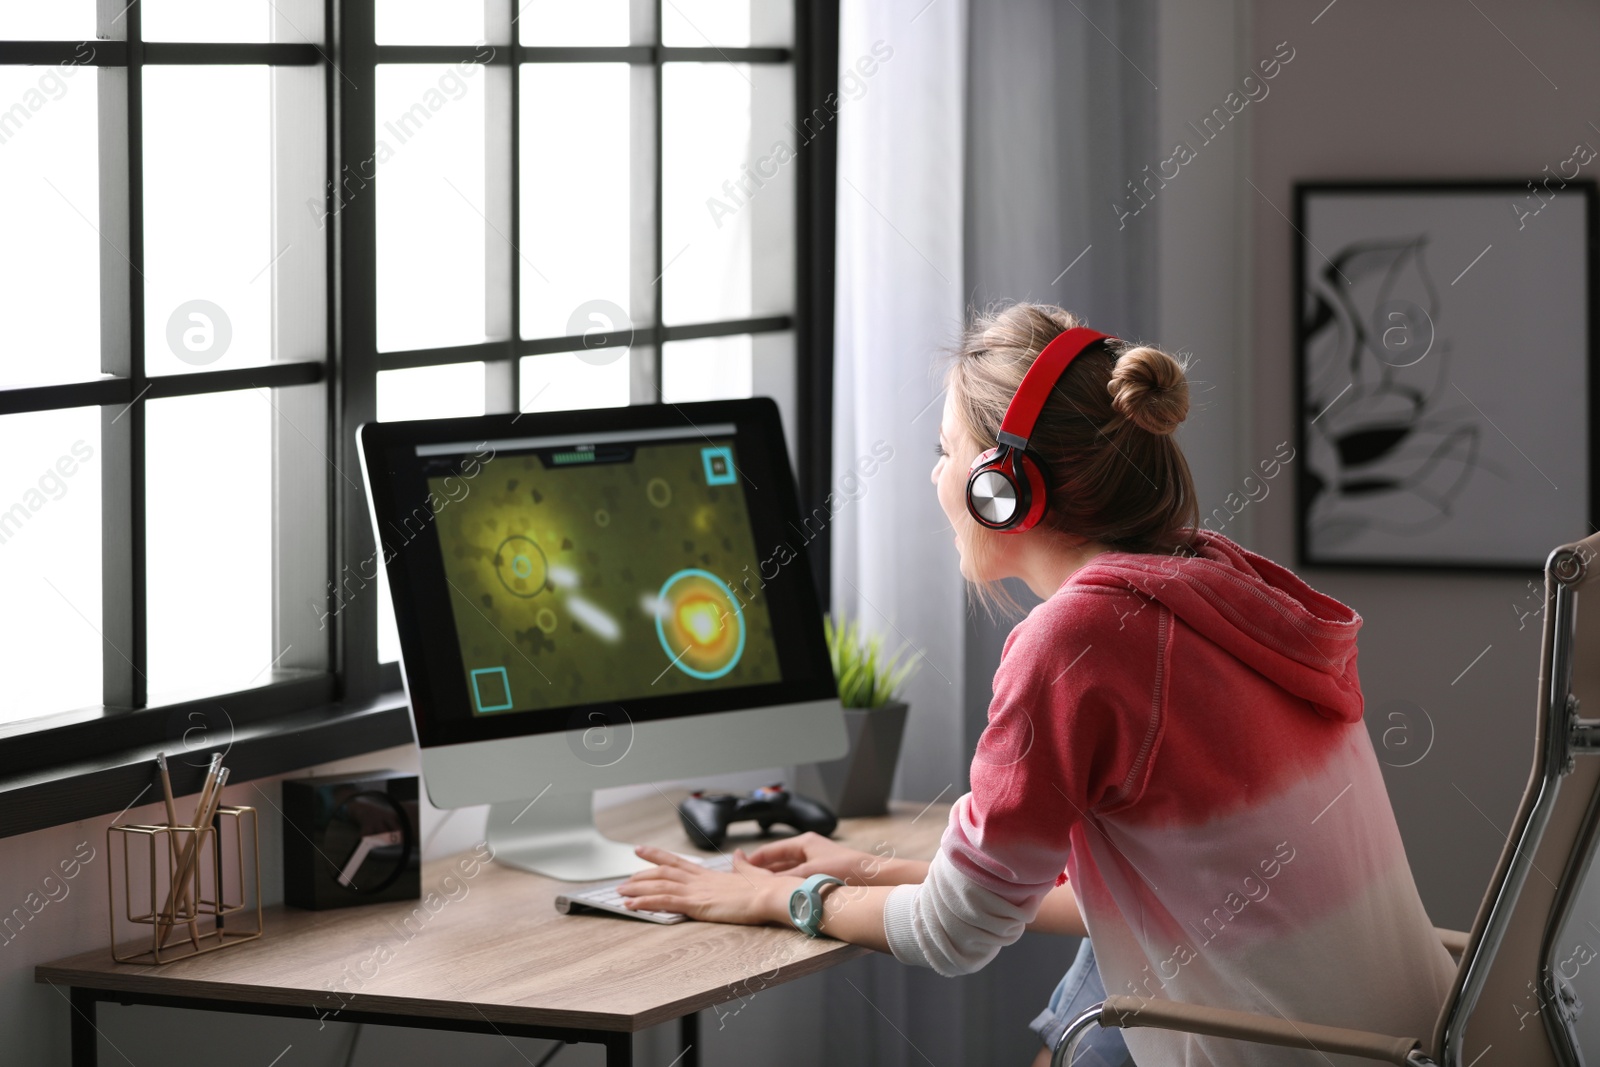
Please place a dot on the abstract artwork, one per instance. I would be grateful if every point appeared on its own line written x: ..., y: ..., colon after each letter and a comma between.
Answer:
x: 1446, y: 371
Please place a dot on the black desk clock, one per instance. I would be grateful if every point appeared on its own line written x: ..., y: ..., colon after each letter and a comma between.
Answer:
x: 351, y: 839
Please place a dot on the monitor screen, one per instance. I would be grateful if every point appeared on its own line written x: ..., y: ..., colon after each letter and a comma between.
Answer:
x: 630, y: 560
x: 600, y: 569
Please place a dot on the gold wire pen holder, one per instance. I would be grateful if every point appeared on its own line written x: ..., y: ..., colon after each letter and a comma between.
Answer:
x: 190, y: 887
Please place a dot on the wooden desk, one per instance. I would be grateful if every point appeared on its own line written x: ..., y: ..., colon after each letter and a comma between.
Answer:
x: 495, y: 956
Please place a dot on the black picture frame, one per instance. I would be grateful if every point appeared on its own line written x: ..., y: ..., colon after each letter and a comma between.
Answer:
x: 1414, y: 473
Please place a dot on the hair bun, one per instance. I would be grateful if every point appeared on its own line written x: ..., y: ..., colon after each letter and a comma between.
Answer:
x: 1148, y: 388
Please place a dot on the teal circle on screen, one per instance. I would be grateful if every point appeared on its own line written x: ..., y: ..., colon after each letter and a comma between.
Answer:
x: 738, y: 614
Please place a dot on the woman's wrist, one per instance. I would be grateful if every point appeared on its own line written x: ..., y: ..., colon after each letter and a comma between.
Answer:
x: 775, y: 899
x: 774, y: 903
x: 851, y: 912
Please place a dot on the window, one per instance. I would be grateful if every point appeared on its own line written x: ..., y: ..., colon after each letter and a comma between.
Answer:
x: 243, y: 242
x: 166, y: 354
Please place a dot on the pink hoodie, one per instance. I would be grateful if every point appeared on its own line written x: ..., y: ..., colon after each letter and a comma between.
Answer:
x: 1183, y: 734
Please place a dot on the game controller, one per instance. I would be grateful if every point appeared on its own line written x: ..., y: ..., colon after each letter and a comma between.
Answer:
x: 706, y: 816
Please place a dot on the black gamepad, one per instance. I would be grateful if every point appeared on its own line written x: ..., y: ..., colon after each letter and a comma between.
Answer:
x: 706, y: 816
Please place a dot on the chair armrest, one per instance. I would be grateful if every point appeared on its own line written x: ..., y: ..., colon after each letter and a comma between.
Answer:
x: 1248, y: 1026
x: 1454, y: 941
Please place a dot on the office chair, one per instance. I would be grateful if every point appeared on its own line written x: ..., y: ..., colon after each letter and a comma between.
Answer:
x: 1504, y: 965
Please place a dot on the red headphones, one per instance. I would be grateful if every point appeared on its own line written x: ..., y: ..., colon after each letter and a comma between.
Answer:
x: 1007, y: 487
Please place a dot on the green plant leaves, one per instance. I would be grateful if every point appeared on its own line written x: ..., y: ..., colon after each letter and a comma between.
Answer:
x: 866, y: 676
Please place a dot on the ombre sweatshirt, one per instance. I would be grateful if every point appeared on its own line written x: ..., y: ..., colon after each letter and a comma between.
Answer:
x: 1181, y: 737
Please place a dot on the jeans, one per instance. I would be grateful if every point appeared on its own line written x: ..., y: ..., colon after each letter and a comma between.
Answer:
x: 1078, y: 991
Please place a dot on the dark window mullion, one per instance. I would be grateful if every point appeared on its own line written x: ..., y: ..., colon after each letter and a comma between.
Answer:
x: 356, y: 621
x: 637, y: 55
x: 690, y: 331
x: 658, y: 320
x: 725, y: 55
x: 266, y: 376
x: 497, y: 352
x: 443, y: 54
x: 186, y: 53
x: 113, y: 53
x: 482, y: 352
x: 332, y: 391
x: 79, y: 53
x: 104, y: 391
x: 816, y: 69
x: 649, y: 334
x: 516, y: 213
x: 653, y: 335
x: 134, y: 610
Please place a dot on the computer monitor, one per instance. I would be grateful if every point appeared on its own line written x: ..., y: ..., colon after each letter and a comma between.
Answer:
x: 599, y: 598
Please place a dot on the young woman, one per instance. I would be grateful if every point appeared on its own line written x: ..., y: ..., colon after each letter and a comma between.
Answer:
x: 1175, y: 762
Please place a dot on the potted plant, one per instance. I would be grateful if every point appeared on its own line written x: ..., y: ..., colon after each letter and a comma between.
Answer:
x: 869, y: 681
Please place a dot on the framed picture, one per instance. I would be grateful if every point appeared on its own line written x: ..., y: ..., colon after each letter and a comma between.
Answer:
x: 1446, y: 373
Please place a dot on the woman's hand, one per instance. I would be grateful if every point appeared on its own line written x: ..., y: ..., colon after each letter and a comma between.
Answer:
x: 747, y: 895
x: 811, y: 853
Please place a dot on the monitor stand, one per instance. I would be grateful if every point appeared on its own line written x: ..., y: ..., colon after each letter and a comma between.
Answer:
x: 555, y: 836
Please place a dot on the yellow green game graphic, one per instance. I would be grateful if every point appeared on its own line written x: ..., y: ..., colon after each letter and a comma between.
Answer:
x: 590, y: 580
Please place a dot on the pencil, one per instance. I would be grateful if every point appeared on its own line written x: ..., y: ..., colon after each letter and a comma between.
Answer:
x: 166, y: 789
x: 192, y: 845
x: 204, y: 816
x: 204, y: 821
x: 216, y: 845
x: 172, y: 821
x: 177, y: 892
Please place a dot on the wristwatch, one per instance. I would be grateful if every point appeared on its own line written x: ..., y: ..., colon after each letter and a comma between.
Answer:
x: 805, y: 903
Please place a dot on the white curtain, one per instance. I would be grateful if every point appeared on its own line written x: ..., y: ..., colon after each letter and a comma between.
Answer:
x: 900, y: 303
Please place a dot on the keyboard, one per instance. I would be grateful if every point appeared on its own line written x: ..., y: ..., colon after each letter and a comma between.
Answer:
x: 603, y: 896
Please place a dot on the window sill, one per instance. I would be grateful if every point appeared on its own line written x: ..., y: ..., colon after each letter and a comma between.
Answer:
x: 38, y: 799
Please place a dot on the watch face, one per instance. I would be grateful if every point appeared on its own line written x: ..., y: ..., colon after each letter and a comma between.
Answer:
x: 800, y: 907
x: 367, y: 838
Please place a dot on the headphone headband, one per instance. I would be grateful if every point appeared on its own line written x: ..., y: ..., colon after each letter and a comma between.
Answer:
x: 1047, y: 369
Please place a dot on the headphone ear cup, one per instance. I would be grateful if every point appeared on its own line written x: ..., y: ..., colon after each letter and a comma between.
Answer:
x: 1037, y: 499
x: 998, y: 494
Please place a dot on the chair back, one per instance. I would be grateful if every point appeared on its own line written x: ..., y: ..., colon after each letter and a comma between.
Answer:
x: 1511, y: 1004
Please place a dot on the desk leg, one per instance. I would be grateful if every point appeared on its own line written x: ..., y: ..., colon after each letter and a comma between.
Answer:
x: 85, y: 1047
x: 689, y: 1038
x: 619, y: 1049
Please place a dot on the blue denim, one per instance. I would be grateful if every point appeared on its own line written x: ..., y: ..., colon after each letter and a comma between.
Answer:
x: 1078, y: 991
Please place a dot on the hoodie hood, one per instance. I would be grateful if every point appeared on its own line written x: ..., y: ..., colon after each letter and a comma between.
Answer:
x: 1254, y: 609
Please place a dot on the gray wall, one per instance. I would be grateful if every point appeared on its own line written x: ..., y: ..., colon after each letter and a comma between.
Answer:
x: 1418, y: 90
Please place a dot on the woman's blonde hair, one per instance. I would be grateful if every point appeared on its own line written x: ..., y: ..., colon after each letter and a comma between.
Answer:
x: 1104, y: 438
